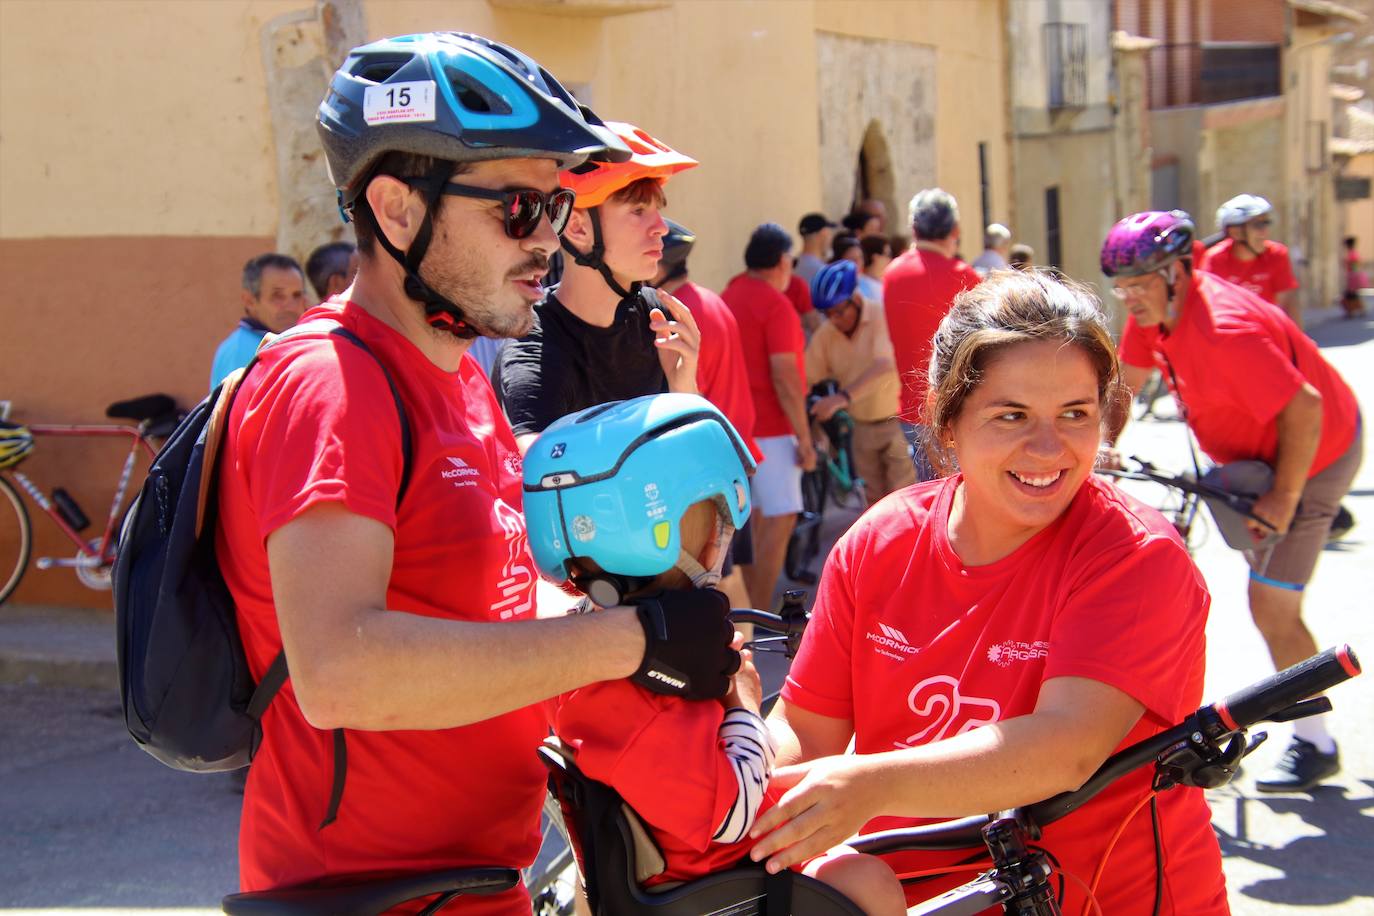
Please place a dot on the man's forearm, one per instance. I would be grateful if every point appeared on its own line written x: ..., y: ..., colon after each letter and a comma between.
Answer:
x: 397, y: 670
x: 870, y: 377
x: 789, y: 389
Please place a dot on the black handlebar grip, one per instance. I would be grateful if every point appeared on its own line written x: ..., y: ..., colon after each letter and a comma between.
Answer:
x: 1307, y: 678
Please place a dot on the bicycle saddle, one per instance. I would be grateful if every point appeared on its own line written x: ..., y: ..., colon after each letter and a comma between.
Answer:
x: 139, y: 409
x: 367, y: 898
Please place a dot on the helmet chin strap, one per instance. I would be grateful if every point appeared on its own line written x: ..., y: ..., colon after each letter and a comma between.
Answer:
x: 440, y: 312
x: 595, y: 259
x: 691, y: 567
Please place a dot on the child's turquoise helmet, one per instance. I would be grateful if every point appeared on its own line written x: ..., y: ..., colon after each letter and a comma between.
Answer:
x: 610, y: 484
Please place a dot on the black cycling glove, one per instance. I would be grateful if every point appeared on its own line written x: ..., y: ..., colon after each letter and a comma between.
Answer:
x: 687, y: 637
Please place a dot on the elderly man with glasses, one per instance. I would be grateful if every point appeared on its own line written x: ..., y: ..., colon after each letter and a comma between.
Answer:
x: 854, y: 349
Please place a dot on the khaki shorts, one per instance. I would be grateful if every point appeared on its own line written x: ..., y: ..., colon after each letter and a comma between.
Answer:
x: 1290, y: 562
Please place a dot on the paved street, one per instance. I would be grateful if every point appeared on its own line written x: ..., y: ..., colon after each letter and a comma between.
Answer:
x: 93, y: 825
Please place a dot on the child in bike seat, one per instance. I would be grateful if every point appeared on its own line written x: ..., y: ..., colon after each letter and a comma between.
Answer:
x: 631, y: 499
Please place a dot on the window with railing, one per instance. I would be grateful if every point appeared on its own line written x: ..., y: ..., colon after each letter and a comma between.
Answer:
x: 1210, y: 73
x: 1066, y: 64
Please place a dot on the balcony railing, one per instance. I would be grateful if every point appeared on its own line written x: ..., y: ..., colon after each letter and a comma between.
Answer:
x: 1206, y: 74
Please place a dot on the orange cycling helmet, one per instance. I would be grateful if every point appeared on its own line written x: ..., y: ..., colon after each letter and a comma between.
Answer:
x: 594, y: 182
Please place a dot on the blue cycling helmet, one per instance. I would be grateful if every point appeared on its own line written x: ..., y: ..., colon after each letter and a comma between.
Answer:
x: 455, y: 97
x: 833, y: 284
x: 610, y: 484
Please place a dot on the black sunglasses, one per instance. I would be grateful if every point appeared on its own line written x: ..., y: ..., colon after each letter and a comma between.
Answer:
x: 523, y: 207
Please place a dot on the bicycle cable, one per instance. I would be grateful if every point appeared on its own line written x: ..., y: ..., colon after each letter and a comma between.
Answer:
x: 1091, y: 899
x: 1159, y: 854
x: 1107, y: 852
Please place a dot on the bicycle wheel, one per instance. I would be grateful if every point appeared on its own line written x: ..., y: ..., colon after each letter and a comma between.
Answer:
x: 16, y: 539
x: 552, y: 879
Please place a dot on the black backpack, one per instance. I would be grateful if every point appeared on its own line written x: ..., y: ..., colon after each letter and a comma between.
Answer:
x: 188, y: 696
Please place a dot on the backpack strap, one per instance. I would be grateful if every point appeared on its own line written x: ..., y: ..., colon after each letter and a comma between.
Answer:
x: 277, y: 673
x: 358, y: 342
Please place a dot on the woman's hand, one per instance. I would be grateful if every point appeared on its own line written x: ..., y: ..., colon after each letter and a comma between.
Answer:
x: 827, y: 801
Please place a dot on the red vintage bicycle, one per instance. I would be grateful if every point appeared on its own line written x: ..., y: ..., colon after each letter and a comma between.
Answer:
x: 153, y: 416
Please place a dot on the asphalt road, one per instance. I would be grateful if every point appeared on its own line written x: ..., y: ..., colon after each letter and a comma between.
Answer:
x: 89, y: 824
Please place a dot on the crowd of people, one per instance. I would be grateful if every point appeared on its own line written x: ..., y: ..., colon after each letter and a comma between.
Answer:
x: 656, y: 433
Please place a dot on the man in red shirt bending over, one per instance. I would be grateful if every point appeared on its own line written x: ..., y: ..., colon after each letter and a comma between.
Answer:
x: 1247, y: 257
x: 918, y: 289
x: 773, y: 347
x: 1251, y: 386
x: 393, y: 571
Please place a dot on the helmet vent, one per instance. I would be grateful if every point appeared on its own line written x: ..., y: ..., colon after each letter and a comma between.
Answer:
x: 595, y: 412
x: 556, y: 89
x: 475, y: 97
x: 379, y: 71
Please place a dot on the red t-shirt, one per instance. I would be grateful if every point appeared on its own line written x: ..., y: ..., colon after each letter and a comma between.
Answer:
x: 1266, y: 276
x: 798, y: 292
x: 911, y: 646
x: 315, y: 423
x: 721, y: 374
x: 1238, y: 361
x: 622, y: 736
x: 767, y: 326
x: 918, y: 289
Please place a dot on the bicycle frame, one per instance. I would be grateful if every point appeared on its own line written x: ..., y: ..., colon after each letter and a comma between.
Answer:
x: 90, y: 555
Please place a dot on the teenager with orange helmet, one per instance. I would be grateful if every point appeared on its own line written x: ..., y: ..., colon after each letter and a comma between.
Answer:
x: 602, y: 335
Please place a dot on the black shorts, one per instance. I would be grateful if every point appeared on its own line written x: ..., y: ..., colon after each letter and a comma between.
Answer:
x: 741, y: 550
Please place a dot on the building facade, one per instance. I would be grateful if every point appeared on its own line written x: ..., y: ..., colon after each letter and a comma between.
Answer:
x: 134, y: 188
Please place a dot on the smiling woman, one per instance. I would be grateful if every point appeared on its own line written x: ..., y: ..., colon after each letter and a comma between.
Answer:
x: 988, y: 639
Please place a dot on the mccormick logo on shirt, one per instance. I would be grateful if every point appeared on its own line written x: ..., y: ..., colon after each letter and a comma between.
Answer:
x: 891, y: 641
x: 459, y: 468
x: 1013, y: 650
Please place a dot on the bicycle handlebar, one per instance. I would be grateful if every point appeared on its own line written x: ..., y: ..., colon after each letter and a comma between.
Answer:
x: 1185, y: 484
x: 788, y: 624
x: 1216, y: 722
x: 1281, y: 690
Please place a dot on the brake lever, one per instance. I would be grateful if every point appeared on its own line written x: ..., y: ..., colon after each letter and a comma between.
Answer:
x: 1301, y: 710
x: 1196, y: 761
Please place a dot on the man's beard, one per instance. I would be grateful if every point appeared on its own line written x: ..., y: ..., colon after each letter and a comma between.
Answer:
x: 458, y: 282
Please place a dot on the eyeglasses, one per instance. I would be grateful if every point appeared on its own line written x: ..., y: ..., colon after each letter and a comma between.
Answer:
x: 840, y: 308
x: 1129, y: 292
x: 523, y: 207
x: 1261, y: 223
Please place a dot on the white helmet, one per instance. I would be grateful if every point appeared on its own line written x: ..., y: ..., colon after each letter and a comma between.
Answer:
x: 1241, y: 209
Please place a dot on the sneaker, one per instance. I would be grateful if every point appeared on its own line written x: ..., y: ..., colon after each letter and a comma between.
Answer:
x: 1341, y: 524
x: 1300, y: 768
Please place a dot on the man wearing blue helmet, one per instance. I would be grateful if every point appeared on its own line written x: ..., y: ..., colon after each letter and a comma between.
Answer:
x: 854, y: 349
x: 635, y: 501
x: 376, y: 552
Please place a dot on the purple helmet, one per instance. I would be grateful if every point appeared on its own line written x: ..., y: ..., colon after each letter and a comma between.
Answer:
x: 1145, y: 242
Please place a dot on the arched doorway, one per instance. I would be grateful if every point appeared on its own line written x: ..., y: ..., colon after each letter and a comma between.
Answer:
x: 873, y: 175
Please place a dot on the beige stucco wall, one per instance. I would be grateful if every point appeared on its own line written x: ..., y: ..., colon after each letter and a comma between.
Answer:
x: 1081, y: 166
x: 969, y: 97
x: 130, y: 200
x: 1241, y: 158
x: 145, y: 136
x: 1311, y: 207
x: 1357, y: 216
